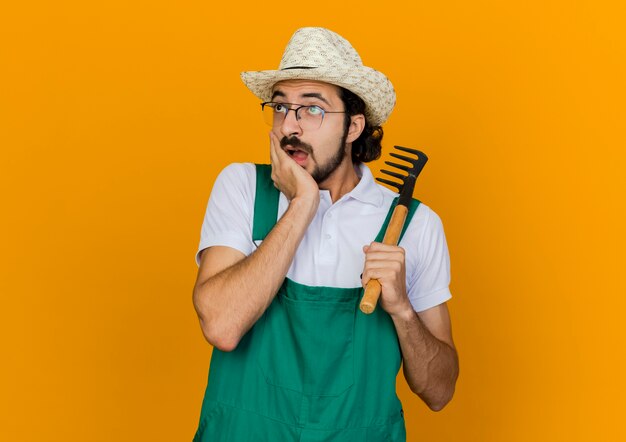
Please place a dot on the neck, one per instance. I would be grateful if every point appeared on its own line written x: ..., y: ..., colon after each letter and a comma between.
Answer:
x: 342, y: 180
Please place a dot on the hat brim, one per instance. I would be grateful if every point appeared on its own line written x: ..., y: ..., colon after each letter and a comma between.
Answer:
x: 371, y: 86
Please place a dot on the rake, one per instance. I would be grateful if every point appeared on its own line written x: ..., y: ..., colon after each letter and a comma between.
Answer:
x: 392, y: 234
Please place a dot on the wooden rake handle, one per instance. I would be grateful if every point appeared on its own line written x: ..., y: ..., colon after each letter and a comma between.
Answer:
x: 392, y: 234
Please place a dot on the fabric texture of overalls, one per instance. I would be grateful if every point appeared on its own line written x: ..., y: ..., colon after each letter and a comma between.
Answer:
x: 313, y: 367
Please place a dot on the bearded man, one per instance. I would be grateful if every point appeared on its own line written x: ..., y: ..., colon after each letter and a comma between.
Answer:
x: 285, y: 252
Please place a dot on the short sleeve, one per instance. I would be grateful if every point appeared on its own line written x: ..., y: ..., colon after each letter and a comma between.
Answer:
x: 228, y: 217
x: 428, y: 284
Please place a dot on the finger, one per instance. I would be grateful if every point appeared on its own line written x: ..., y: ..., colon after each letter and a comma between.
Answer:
x: 280, y: 153
x: 379, y: 275
x: 378, y: 253
x: 381, y: 271
x: 379, y: 246
x: 273, y: 155
x: 383, y: 265
x: 365, y: 278
x: 383, y: 276
x: 385, y: 256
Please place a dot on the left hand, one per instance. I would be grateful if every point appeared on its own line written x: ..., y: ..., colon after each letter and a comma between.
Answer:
x: 290, y: 178
x: 386, y: 264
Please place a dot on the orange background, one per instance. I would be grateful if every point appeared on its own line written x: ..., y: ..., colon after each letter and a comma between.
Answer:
x: 115, y: 118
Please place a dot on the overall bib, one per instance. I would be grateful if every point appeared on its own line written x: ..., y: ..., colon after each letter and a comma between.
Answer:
x: 312, y: 369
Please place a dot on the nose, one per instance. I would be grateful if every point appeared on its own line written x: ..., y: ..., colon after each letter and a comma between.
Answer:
x: 290, y: 125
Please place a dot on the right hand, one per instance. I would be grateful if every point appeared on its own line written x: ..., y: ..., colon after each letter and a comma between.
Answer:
x: 289, y: 177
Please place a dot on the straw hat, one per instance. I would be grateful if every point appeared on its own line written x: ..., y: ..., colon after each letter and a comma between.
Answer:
x: 322, y: 55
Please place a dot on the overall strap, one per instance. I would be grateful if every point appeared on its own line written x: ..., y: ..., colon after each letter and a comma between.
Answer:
x: 265, y: 203
x: 413, y: 207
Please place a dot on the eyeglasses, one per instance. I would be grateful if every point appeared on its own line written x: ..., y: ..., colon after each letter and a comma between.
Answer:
x: 308, y: 117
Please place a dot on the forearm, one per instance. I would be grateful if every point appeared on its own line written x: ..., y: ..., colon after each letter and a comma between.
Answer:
x: 430, y: 365
x: 231, y: 301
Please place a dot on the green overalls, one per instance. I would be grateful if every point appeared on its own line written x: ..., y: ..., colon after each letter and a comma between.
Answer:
x: 313, y: 367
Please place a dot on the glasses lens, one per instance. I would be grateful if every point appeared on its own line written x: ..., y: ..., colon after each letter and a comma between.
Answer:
x: 268, y: 114
x: 310, y: 117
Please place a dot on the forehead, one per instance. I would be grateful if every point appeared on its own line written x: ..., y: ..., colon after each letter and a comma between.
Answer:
x: 305, y: 88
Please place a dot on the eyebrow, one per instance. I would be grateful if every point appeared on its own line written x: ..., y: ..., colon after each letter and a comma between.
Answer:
x: 317, y: 95
x: 277, y: 94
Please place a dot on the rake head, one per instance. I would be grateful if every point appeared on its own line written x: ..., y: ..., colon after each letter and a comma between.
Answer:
x: 413, y: 169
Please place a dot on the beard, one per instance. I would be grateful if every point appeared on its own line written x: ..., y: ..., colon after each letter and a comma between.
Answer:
x: 321, y: 172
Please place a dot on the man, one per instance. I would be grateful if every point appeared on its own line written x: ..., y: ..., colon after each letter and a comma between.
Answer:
x: 285, y: 254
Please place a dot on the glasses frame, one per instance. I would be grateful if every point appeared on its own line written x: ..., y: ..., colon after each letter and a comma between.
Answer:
x: 296, y: 110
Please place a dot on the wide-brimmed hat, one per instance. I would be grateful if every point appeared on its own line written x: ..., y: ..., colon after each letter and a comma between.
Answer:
x: 322, y: 55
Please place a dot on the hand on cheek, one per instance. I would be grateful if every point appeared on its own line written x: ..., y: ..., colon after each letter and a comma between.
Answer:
x: 291, y: 179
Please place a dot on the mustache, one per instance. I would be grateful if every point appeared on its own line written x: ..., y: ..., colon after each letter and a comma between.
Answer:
x: 296, y: 144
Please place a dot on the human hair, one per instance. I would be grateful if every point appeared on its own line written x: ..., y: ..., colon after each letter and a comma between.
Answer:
x: 367, y: 147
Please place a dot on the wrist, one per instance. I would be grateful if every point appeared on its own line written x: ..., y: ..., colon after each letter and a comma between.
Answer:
x: 403, y: 314
x: 305, y: 204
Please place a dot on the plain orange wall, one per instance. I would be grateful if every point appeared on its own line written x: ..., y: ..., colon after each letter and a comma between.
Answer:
x: 115, y: 118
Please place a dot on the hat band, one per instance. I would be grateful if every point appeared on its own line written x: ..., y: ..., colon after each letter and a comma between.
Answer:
x: 299, y: 67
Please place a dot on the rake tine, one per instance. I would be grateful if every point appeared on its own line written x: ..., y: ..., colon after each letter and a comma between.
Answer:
x: 391, y: 183
x: 402, y: 157
x: 393, y: 174
x: 399, y: 166
x: 407, y: 149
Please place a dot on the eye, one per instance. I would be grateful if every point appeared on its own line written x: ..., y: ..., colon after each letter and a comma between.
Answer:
x: 314, y: 111
x: 279, y: 108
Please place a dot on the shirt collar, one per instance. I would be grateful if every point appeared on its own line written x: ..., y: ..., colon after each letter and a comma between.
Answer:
x: 367, y: 190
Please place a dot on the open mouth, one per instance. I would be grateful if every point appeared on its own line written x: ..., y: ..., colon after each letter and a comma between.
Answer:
x: 298, y: 155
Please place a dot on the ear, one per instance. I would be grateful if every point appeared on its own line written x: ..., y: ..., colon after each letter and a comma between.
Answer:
x: 357, y: 124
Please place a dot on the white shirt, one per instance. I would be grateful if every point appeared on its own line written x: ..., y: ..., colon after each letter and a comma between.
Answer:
x: 331, y: 252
